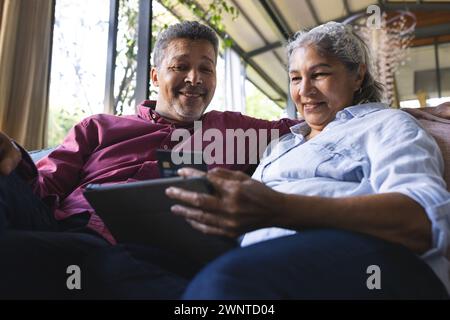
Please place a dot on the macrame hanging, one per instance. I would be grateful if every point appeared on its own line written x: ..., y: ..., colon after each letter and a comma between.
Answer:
x: 388, y: 43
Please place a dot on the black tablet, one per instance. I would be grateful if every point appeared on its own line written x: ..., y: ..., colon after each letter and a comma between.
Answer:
x: 139, y: 212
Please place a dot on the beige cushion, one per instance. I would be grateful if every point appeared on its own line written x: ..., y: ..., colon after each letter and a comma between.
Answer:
x: 439, y: 128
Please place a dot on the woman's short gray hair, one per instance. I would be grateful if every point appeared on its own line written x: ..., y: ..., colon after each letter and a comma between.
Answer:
x: 340, y: 41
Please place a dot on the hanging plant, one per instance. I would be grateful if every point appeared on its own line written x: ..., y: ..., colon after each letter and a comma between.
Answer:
x: 212, y: 15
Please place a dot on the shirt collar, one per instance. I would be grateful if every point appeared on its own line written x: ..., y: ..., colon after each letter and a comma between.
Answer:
x: 357, y: 111
x: 146, y: 110
x: 360, y: 110
x: 301, y: 129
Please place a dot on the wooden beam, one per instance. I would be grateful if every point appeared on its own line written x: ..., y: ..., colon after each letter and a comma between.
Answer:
x: 430, y: 41
x: 313, y: 12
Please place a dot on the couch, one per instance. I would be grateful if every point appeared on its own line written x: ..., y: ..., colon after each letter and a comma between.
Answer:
x: 439, y: 128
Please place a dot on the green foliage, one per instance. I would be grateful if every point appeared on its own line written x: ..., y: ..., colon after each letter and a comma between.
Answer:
x: 126, y: 55
x: 259, y: 105
x: 212, y: 15
x: 60, y: 122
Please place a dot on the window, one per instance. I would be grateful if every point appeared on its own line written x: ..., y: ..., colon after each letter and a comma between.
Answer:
x: 259, y: 105
x: 78, y: 64
x: 417, y: 81
x: 86, y: 59
x: 126, y: 59
x: 162, y: 18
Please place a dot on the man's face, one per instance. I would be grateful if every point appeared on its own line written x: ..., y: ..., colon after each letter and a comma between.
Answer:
x: 186, y: 79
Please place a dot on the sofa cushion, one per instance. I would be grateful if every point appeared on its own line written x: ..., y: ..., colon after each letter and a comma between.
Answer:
x: 439, y: 128
x: 39, y: 154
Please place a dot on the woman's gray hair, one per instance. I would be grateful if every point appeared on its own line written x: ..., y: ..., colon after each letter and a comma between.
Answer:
x: 184, y: 30
x: 340, y: 41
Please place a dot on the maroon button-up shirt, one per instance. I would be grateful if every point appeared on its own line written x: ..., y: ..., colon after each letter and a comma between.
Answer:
x: 115, y: 149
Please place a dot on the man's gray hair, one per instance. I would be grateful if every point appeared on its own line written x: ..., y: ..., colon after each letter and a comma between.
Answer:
x: 340, y: 41
x: 183, y: 30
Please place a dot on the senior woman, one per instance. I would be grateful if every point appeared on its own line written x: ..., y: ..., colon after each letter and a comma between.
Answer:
x: 350, y: 204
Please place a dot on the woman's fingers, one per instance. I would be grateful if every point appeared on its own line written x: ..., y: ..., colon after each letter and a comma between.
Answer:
x: 195, y: 199
x: 227, y: 174
x: 211, y: 230
x: 198, y: 215
x: 190, y: 172
x: 205, y: 219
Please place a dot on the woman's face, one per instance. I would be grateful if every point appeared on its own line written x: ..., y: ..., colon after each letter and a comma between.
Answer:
x: 321, y: 86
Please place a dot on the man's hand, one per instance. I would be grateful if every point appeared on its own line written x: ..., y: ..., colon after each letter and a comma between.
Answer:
x: 10, y: 155
x: 239, y: 205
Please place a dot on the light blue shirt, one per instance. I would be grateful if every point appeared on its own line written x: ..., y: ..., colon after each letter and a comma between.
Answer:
x: 366, y: 149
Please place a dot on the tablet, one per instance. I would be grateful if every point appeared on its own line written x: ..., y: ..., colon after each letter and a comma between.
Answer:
x: 139, y: 212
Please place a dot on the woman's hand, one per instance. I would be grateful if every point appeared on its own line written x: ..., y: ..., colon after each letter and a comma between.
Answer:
x: 10, y: 155
x: 239, y: 205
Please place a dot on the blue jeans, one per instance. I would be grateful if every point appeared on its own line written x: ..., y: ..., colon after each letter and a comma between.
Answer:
x: 317, y: 264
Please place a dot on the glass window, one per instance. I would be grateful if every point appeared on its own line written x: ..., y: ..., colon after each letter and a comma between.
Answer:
x: 162, y: 18
x: 218, y: 101
x: 419, y: 59
x: 444, y: 64
x: 416, y: 79
x: 78, y: 69
x: 258, y: 105
x: 126, y: 59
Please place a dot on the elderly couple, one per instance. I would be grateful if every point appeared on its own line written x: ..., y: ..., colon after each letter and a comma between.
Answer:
x: 353, y: 186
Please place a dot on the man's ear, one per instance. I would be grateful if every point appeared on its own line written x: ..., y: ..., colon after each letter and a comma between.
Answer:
x: 360, y: 76
x: 154, y: 76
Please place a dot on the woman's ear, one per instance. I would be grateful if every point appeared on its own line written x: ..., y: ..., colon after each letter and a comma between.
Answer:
x: 360, y: 76
x: 154, y: 76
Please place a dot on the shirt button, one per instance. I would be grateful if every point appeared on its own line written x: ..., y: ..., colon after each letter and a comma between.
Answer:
x: 165, y: 147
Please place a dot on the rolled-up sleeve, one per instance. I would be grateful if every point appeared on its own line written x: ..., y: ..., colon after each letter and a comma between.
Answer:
x: 404, y: 158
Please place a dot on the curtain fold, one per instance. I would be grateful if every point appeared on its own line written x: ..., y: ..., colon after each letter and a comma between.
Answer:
x: 1, y: 12
x: 25, y: 46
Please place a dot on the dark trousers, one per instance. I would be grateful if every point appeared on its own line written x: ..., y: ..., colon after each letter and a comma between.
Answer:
x: 318, y: 264
x: 36, y: 252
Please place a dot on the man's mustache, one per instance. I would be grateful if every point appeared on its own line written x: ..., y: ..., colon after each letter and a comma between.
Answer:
x: 193, y: 90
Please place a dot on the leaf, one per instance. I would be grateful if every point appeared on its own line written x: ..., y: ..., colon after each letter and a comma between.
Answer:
x: 228, y: 43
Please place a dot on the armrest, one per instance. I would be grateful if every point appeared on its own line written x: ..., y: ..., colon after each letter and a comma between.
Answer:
x: 37, y: 155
